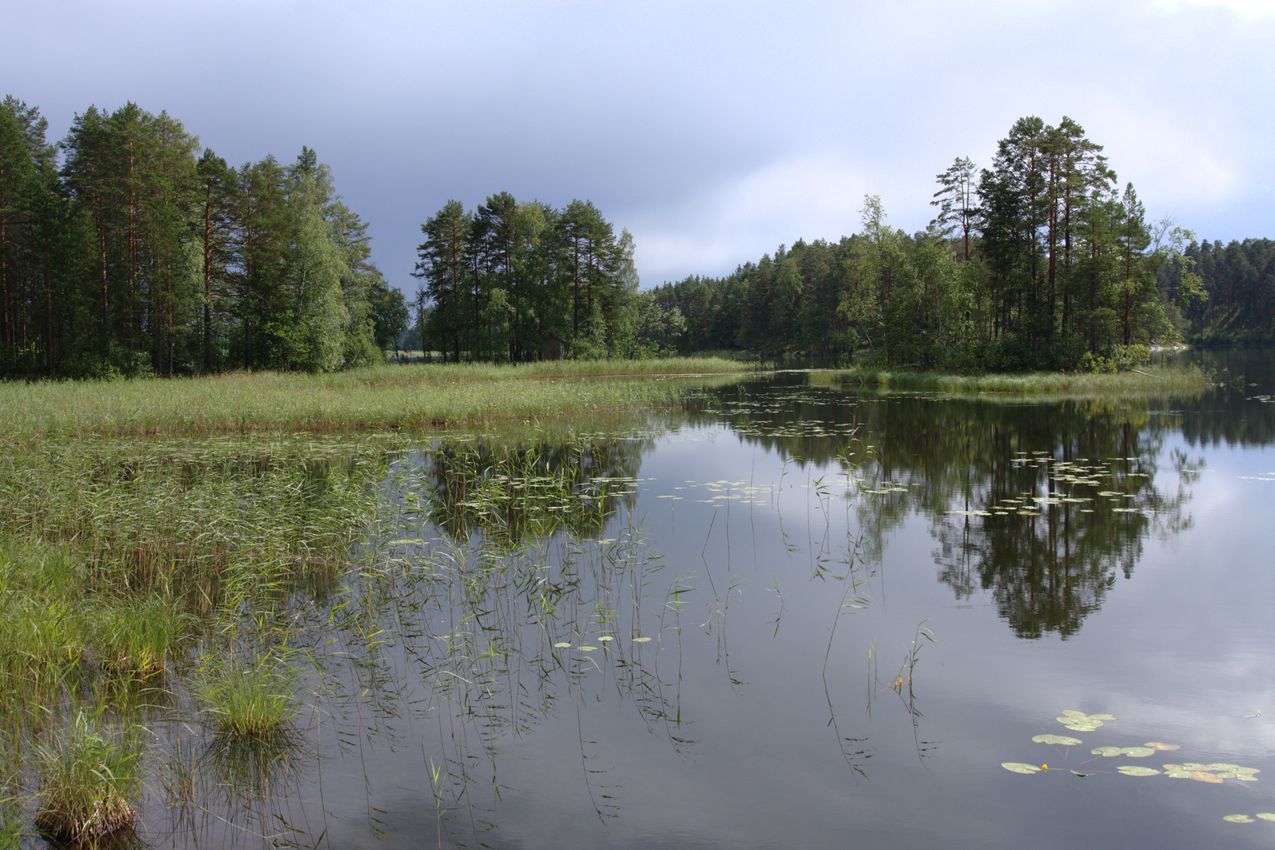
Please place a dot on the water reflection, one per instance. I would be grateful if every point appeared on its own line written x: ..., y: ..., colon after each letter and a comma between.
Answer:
x: 1040, y: 505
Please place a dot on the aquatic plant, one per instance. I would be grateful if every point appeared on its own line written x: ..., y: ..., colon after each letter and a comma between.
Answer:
x: 248, y: 698
x: 1152, y: 380
x: 136, y: 636
x: 88, y: 779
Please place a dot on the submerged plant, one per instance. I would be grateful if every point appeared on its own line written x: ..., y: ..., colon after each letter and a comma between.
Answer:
x: 87, y: 781
x: 249, y: 699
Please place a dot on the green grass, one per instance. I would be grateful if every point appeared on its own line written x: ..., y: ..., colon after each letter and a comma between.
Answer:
x: 389, y: 396
x: 87, y: 781
x: 248, y: 699
x: 1151, y: 380
x: 137, y: 636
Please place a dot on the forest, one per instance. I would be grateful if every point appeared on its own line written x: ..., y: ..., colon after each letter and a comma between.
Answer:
x: 1042, y: 261
x: 127, y: 249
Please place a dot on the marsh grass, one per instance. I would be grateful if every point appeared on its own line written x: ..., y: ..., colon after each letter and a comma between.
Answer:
x: 1148, y: 381
x: 88, y: 780
x: 137, y: 637
x: 383, y: 397
x: 249, y: 699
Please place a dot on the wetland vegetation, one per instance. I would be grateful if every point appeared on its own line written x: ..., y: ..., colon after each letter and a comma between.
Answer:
x: 523, y: 633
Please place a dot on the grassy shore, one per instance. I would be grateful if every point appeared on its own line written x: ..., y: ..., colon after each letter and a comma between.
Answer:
x: 1148, y: 381
x: 381, y: 397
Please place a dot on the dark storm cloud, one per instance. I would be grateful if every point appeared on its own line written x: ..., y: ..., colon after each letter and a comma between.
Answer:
x: 713, y: 130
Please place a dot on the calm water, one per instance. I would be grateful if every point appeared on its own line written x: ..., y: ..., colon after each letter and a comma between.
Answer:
x: 714, y: 630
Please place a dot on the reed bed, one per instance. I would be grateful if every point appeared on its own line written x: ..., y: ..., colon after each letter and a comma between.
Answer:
x: 1149, y: 381
x: 386, y: 397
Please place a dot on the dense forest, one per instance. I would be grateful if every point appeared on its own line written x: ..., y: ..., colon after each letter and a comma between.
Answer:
x: 1240, y: 281
x: 126, y: 249
x: 1041, y: 261
x: 520, y: 281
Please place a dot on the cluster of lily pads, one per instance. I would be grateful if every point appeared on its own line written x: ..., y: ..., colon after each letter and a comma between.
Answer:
x: 1065, y: 477
x: 1078, y: 721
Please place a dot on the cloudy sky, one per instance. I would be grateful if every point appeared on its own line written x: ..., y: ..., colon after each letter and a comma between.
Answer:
x: 714, y: 131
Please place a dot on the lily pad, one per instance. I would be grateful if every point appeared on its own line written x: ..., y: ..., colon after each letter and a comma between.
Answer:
x: 562, y: 644
x: 1138, y: 752
x: 1078, y: 721
x: 1237, y: 819
x: 1205, y: 776
x: 1266, y: 815
x: 1020, y: 767
x: 1163, y: 747
x: 641, y: 640
x: 1107, y: 752
x: 587, y: 648
x: 1062, y: 740
x: 1136, y: 770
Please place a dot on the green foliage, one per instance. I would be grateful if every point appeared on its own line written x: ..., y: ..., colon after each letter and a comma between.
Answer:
x: 1225, y: 293
x: 1034, y: 263
x: 144, y: 256
x: 87, y: 780
x: 248, y: 698
x: 501, y: 282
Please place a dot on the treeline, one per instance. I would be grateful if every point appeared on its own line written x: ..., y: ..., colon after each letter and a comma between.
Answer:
x: 1240, y: 281
x: 126, y: 249
x: 517, y: 281
x: 1039, y: 262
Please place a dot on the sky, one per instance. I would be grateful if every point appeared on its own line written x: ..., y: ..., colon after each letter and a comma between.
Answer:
x: 713, y: 131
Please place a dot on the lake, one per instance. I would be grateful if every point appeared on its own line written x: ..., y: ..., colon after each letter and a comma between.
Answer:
x: 785, y: 615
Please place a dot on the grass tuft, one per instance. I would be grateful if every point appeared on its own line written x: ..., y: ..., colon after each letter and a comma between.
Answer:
x: 87, y: 781
x: 249, y: 699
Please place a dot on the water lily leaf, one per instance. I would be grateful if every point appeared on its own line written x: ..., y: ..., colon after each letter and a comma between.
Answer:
x: 1078, y: 725
x: 1237, y: 819
x: 1063, y: 740
x: 562, y: 644
x: 1178, y: 774
x: 1266, y: 815
x: 1078, y: 721
x: 641, y: 640
x: 1078, y: 773
x: 1163, y: 747
x: 605, y: 638
x: 1020, y: 767
x: 1107, y: 752
x: 1205, y: 776
x: 1136, y: 770
x: 1138, y: 752
x: 587, y: 648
